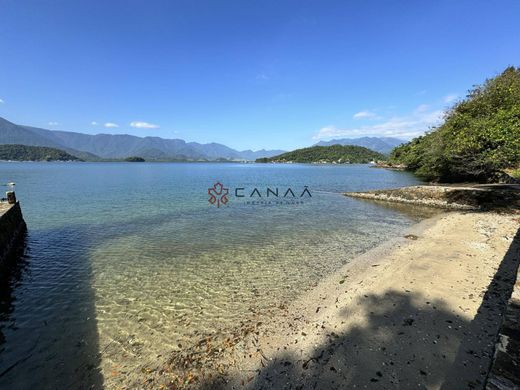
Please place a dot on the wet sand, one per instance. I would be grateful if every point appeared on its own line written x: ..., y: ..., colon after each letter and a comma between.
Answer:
x: 422, y: 311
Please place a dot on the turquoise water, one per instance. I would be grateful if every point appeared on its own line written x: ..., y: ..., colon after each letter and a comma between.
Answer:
x: 125, y: 261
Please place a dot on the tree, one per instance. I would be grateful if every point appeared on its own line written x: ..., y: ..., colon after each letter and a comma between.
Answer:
x: 480, y: 135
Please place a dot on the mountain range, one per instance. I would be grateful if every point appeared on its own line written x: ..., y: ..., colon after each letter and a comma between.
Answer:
x: 379, y: 144
x: 118, y: 146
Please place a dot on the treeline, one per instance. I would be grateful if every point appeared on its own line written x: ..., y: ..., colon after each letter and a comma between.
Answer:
x: 135, y: 159
x: 340, y: 154
x: 480, y: 136
x: 34, y: 153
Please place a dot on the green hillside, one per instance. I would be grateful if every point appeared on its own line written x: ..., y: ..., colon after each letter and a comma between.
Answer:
x: 479, y: 138
x: 34, y: 153
x: 340, y: 154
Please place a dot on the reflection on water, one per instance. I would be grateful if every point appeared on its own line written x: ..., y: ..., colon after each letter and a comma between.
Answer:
x: 127, y: 261
x: 51, y: 331
x: 11, y: 272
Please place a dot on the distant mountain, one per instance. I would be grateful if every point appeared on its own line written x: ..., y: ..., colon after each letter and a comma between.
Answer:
x: 117, y: 146
x: 379, y: 144
x: 338, y: 154
x: 33, y: 153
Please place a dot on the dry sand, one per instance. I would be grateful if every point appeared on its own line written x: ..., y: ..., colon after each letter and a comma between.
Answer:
x: 417, y: 312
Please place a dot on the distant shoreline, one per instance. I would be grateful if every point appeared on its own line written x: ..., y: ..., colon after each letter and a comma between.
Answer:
x: 181, y: 161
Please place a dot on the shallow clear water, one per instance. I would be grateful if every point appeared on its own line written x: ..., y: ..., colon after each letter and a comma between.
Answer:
x: 126, y: 261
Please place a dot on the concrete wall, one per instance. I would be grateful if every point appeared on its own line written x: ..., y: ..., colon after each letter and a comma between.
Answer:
x: 12, y: 227
x: 505, y: 372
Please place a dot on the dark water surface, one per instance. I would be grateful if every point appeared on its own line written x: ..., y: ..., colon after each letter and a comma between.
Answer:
x: 124, y: 261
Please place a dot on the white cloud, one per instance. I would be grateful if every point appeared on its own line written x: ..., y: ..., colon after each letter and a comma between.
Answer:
x: 53, y: 123
x: 2, y: 101
x: 143, y: 125
x: 407, y: 126
x: 365, y: 115
x: 422, y: 108
x: 262, y: 76
x: 94, y: 123
x: 111, y: 125
x: 450, y: 98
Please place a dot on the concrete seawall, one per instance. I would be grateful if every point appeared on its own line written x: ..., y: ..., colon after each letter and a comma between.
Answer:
x: 12, y: 227
x: 505, y: 371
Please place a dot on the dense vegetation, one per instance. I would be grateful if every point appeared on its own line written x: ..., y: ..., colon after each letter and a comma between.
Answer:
x: 340, y: 154
x: 33, y: 153
x: 479, y: 138
x: 134, y: 159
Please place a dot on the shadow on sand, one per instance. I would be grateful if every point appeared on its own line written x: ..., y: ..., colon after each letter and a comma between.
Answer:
x: 406, y: 342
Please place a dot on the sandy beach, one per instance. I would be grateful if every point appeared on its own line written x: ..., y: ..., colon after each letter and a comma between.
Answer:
x: 421, y: 311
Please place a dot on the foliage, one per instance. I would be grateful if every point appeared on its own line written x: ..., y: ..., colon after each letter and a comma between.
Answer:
x: 514, y: 173
x: 34, y: 153
x: 134, y: 159
x: 480, y: 135
x: 341, y: 154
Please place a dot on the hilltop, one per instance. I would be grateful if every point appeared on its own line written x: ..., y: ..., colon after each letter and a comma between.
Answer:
x: 336, y: 154
x: 379, y: 144
x: 34, y: 153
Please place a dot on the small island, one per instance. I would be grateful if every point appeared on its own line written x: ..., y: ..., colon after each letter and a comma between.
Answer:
x: 334, y: 154
x: 135, y: 159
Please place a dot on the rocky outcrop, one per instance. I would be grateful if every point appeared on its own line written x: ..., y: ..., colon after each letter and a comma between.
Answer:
x: 387, y: 165
x: 12, y: 227
x: 474, y: 197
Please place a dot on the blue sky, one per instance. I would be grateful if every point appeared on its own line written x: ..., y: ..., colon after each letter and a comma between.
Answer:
x: 264, y: 74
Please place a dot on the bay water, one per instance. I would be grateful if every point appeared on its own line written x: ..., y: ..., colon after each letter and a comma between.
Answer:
x: 126, y: 262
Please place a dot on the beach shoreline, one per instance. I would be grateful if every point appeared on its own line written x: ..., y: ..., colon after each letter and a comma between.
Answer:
x: 423, y: 310
x: 484, y: 197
